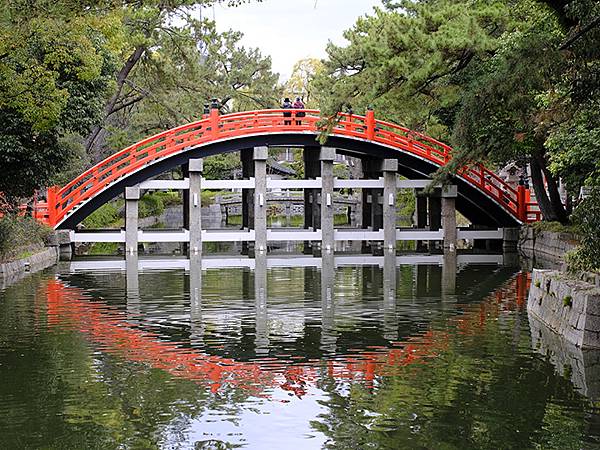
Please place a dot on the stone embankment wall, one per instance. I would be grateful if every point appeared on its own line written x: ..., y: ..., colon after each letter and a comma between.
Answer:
x: 11, y: 272
x: 547, y: 248
x: 581, y: 366
x: 567, y: 306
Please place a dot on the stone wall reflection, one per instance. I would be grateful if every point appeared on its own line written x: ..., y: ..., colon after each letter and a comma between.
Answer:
x: 582, y: 367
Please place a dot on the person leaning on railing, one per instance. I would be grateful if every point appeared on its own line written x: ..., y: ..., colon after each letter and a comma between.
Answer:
x: 299, y: 104
x: 287, y: 104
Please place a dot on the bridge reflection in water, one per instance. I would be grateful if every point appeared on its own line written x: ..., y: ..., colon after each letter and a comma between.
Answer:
x: 121, y: 332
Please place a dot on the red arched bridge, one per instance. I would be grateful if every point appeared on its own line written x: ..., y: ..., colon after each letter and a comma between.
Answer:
x: 483, y: 197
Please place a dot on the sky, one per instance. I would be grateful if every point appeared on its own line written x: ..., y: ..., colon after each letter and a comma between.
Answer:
x: 289, y: 30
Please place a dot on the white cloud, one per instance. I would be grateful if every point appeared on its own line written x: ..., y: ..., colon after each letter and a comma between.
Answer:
x: 289, y: 30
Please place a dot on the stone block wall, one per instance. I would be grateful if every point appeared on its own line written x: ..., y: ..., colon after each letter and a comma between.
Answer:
x: 547, y: 245
x: 567, y: 306
x: 581, y: 366
x: 11, y: 272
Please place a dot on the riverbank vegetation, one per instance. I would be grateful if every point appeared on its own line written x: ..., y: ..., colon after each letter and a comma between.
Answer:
x: 21, y: 236
x: 502, y: 81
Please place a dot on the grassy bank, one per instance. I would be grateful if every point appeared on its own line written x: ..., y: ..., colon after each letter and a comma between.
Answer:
x: 21, y: 237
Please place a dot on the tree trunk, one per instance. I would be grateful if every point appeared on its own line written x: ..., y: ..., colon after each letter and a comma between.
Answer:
x: 548, y: 200
x: 95, y: 139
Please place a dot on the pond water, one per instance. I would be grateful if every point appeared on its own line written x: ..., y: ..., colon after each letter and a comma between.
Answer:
x: 339, y: 357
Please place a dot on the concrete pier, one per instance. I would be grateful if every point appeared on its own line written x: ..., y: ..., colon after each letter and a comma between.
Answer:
x: 261, y: 308
x: 194, y: 206
x: 390, y: 170
x: 260, y: 199
x: 132, y: 197
x: 327, y: 156
x: 448, y: 217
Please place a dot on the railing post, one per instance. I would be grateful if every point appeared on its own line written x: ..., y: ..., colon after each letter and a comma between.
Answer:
x: 51, y: 199
x: 214, y: 122
x: 522, y: 203
x: 370, y: 122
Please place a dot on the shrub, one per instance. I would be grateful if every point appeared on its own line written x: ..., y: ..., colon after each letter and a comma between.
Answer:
x: 587, y: 218
x: 106, y: 216
x: 17, y: 233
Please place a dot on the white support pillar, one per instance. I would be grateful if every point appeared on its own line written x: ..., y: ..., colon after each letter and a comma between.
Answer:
x: 260, y: 199
x: 196, y: 168
x: 327, y: 158
x: 449, y: 194
x: 132, y: 197
x: 390, y: 170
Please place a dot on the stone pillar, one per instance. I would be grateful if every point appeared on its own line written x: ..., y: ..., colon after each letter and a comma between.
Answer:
x: 421, y: 214
x: 62, y: 240
x: 132, y: 197
x: 133, y: 290
x: 195, y: 286
x: 247, y: 159
x: 510, y: 239
x: 196, y: 168
x: 449, y: 194
x: 288, y: 214
x: 327, y: 158
x: 390, y: 169
x: 390, y: 317
x: 435, y: 215
x: 260, y: 297
x: 449, y: 270
x: 260, y: 199
x: 328, y: 335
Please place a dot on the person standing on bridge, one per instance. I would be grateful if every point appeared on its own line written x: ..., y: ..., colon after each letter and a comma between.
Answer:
x: 287, y: 104
x: 299, y: 104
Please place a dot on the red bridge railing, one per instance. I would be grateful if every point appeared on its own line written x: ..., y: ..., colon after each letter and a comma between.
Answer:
x: 214, y: 127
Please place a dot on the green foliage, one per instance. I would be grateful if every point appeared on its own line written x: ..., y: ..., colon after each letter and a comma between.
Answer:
x: 492, y: 78
x: 222, y: 166
x: 107, y: 216
x: 567, y: 301
x: 54, y: 74
x: 19, y: 232
x: 575, y: 147
x: 587, y: 217
x: 555, y: 227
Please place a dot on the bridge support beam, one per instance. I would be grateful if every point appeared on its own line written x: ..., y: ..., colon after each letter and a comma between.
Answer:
x: 390, y: 170
x: 132, y: 198
x: 327, y: 157
x: 260, y: 200
x: 194, y: 204
x: 449, y: 194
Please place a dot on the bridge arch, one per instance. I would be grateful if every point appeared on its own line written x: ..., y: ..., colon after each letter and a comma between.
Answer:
x: 483, y: 197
